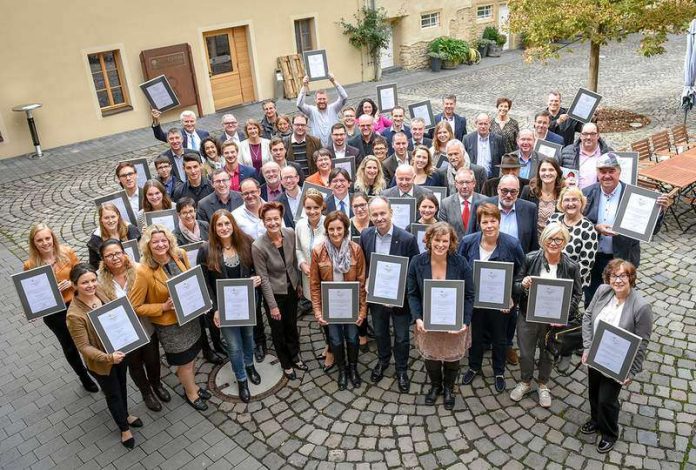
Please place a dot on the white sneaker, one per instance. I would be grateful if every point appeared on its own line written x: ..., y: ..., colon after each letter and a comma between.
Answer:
x: 544, y: 397
x: 520, y: 391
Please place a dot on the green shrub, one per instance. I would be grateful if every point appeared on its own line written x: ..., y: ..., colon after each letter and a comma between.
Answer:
x: 449, y: 49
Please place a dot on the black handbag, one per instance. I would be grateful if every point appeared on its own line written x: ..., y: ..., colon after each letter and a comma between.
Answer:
x: 563, y: 341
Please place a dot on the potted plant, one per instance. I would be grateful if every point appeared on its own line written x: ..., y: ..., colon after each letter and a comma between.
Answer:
x: 451, y: 51
x: 483, y: 45
x: 435, y: 61
x: 491, y: 33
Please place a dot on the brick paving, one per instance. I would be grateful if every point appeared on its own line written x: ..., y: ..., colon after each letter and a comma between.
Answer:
x: 48, y: 421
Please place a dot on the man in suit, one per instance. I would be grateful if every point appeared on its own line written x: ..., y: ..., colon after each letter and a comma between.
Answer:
x: 364, y: 141
x: 278, y: 152
x: 404, y: 175
x: 602, y: 205
x: 290, y: 199
x: 561, y: 124
x: 528, y: 158
x: 457, y: 209
x: 584, y: 154
x: 270, y: 115
x: 385, y: 238
x: 398, y: 125
x: 230, y: 130
x: 222, y: 197
x: 457, y: 122
x: 509, y: 165
x: 542, y: 120
x: 457, y: 158
x: 484, y: 149
x: 236, y: 171
x: 399, y: 157
x: 196, y: 187
x: 339, y: 182
x: 339, y: 148
x: 418, y: 134
x: 300, y: 146
x: 271, y: 190
x: 192, y: 137
x: 175, y: 153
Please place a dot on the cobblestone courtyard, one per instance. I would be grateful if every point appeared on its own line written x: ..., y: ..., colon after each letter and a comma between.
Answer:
x: 49, y: 421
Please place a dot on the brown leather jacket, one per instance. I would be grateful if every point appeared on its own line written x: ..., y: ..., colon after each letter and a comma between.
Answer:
x: 321, y: 269
x: 85, y: 337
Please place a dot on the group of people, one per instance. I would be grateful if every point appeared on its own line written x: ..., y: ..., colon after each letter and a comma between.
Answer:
x: 242, y: 195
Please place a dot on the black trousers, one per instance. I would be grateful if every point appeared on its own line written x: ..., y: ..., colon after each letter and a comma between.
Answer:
x: 601, y: 261
x: 56, y: 323
x: 286, y: 338
x: 144, y: 365
x: 604, y: 403
x: 116, y: 393
x: 259, y: 331
x: 209, y: 328
x: 442, y: 372
x: 488, y: 326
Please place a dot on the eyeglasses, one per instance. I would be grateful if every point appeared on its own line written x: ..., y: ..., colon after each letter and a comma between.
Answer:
x: 113, y: 256
x: 617, y: 277
x: 360, y: 206
x: 555, y: 241
x: 250, y: 193
x: 225, y: 181
x: 511, y: 192
x: 588, y: 134
x: 465, y: 182
x: 126, y: 175
x: 229, y: 123
x: 299, y: 124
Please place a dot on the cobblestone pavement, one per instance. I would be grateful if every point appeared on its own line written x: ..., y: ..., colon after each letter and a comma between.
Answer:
x: 48, y: 421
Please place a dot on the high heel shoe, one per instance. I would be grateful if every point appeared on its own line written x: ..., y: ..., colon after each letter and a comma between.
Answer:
x: 198, y: 403
x: 128, y: 443
x: 136, y: 423
x: 290, y: 375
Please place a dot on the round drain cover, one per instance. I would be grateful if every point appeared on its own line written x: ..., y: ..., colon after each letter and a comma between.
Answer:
x: 224, y: 382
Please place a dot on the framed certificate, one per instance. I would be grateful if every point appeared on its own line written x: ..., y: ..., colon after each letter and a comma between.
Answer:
x: 403, y: 211
x: 418, y: 231
x: 316, y: 66
x: 326, y: 192
x: 192, y: 252
x: 347, y: 163
x: 120, y: 200
x: 355, y: 239
x: 423, y: 109
x: 339, y: 302
x: 443, y: 305
x: 132, y: 250
x: 142, y: 169
x: 38, y: 292
x: 440, y: 192
x: 236, y: 302
x: 118, y: 326
x: 387, y: 284
x: 549, y: 300
x: 547, y: 149
x: 160, y: 94
x: 613, y: 351
x: 493, y: 280
x: 629, y: 166
x: 637, y: 214
x: 387, y: 97
x: 168, y: 218
x: 584, y: 105
x: 441, y: 160
x: 189, y: 294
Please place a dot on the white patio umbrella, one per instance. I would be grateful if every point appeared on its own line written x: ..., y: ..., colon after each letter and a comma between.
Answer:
x: 689, y: 93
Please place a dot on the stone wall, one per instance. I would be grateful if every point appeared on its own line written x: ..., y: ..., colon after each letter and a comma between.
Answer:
x: 414, y: 56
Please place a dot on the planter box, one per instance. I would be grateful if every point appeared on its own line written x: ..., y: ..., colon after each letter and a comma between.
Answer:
x: 450, y: 64
x: 494, y: 50
x: 483, y: 50
x: 435, y: 64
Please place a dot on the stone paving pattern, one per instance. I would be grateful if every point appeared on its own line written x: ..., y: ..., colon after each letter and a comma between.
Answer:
x: 49, y: 421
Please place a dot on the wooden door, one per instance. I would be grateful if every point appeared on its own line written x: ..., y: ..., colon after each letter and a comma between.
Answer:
x: 229, y: 67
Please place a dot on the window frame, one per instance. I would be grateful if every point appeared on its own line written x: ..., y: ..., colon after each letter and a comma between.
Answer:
x: 429, y: 16
x: 482, y: 8
x: 310, y: 22
x: 112, y: 108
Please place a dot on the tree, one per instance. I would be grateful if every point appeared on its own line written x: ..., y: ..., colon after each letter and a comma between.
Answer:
x: 371, y: 33
x: 544, y: 22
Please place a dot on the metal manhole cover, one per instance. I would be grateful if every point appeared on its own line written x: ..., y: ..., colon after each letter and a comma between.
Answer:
x: 223, y: 382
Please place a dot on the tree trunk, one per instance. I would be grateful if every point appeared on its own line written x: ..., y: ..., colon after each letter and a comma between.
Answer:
x: 378, y: 65
x: 594, y: 66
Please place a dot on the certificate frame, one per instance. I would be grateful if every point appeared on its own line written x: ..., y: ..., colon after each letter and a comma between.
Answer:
x: 168, y: 213
x: 196, y: 273
x: 344, y: 162
x: 353, y: 287
x: 159, y: 82
x: 191, y: 250
x: 423, y: 109
x: 24, y: 300
x: 123, y: 302
x: 537, y: 282
x: 324, y: 75
x: 404, y: 201
x: 416, y: 230
x: 441, y: 160
x: 132, y: 246
x: 509, y: 269
x: 652, y: 215
x: 300, y: 207
x: 428, y: 286
x: 628, y: 160
x: 221, y: 296
x: 142, y: 169
x: 381, y: 101
x: 541, y: 144
x: 397, y: 301
x: 120, y: 200
x: 578, y: 96
x: 634, y: 340
x: 355, y: 239
x: 440, y: 192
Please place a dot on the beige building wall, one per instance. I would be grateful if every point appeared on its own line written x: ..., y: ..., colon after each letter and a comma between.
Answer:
x: 46, y: 43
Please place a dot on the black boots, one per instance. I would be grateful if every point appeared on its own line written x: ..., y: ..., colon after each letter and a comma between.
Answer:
x: 435, y: 374
x: 450, y: 376
x: 244, y: 393
x: 353, y: 366
x: 253, y: 375
x: 340, y: 361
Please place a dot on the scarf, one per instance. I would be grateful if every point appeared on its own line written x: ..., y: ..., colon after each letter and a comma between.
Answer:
x: 340, y: 257
x: 193, y: 236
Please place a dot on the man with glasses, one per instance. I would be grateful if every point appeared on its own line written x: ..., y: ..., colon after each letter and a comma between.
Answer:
x: 290, y: 199
x: 163, y: 167
x: 230, y: 130
x: 584, y: 154
x: 348, y: 120
x: 457, y: 209
x: 191, y: 136
x: 222, y: 197
x: 127, y: 177
x: 322, y: 115
x: 339, y: 182
x: 364, y: 141
x: 300, y: 146
x: 236, y: 171
x: 338, y: 147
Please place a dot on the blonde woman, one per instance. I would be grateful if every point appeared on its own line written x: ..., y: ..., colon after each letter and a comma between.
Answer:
x: 111, y: 225
x: 442, y: 133
x: 369, y: 178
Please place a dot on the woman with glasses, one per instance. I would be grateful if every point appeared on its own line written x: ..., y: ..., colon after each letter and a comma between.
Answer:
x: 111, y: 225
x: 322, y: 160
x: 380, y: 148
x: 190, y: 230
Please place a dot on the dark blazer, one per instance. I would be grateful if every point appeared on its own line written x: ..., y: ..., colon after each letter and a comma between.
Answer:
x: 623, y: 247
x: 497, y: 149
x: 459, y: 124
x: 287, y: 213
x: 209, y: 204
x: 350, y: 152
x: 264, y: 191
x: 534, y: 162
x: 389, y: 166
x: 181, y: 238
x: 295, y: 165
x: 420, y: 269
x: 418, y: 192
x: 479, y: 173
x: 95, y: 242
x: 364, y: 148
x: 161, y: 135
x: 434, y: 179
x: 247, y: 172
x: 331, y: 205
x: 221, y: 140
x: 270, y: 265
x: 175, y: 169
x: 451, y: 212
x: 490, y: 189
x: 554, y: 138
x: 186, y: 190
x: 428, y: 142
x: 402, y: 244
x: 526, y: 214
x: 388, y: 134
x: 313, y: 144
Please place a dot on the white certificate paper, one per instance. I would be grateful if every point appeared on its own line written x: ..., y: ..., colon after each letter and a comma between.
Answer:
x: 422, y: 112
x: 129, y: 251
x: 549, y: 302
x: 236, y: 303
x: 547, y: 151
x: 387, y: 98
x: 443, y: 306
x: 192, y: 256
x: 626, y: 169
x: 612, y: 351
x: 341, y: 303
x: 37, y: 290
x: 190, y: 295
x: 637, y: 213
x: 401, y: 215
x: 387, y: 280
x: 316, y: 65
x: 167, y: 221
x: 584, y: 106
x: 118, y: 328
x: 118, y: 202
x: 346, y: 166
x: 492, y: 286
x: 159, y: 95
x: 420, y: 238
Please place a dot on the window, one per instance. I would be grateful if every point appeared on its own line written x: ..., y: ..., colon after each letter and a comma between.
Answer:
x: 484, y: 12
x: 304, y: 38
x: 107, y: 75
x: 430, y: 20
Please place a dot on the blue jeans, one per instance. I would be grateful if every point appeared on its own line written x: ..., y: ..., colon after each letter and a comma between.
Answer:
x: 240, y: 348
x: 380, y: 322
x: 337, y: 333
